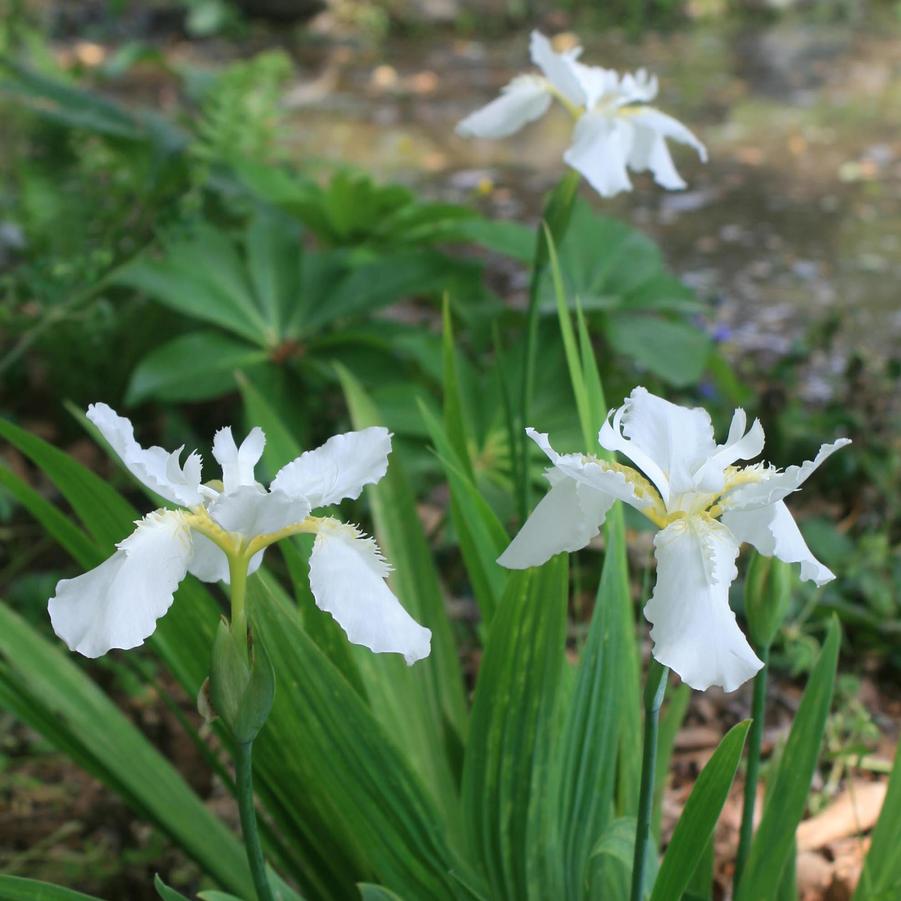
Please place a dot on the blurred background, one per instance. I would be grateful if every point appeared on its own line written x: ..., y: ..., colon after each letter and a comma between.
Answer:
x: 141, y: 140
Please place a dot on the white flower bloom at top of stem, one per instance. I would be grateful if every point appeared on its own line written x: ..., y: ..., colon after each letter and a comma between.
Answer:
x: 614, y: 132
x: 117, y: 604
x: 705, y: 507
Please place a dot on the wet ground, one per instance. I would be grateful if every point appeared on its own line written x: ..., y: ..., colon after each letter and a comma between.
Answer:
x: 795, y: 219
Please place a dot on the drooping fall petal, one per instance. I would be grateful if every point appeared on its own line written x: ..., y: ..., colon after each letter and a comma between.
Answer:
x: 117, y: 604
x: 694, y: 629
x: 347, y: 577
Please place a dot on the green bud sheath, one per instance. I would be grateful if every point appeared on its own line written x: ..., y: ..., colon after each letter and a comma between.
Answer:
x: 768, y: 587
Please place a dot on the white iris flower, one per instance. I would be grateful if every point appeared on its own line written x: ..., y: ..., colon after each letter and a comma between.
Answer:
x: 705, y: 508
x: 117, y: 604
x: 613, y: 132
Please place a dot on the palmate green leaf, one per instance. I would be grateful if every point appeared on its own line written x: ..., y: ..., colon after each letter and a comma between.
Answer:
x: 881, y: 876
x: 787, y: 793
x: 17, y: 888
x: 192, y: 367
x: 184, y: 636
x: 677, y: 351
x: 218, y: 292
x: 513, y: 711
x: 434, y: 689
x: 45, y: 688
x: 694, y: 830
x: 342, y: 781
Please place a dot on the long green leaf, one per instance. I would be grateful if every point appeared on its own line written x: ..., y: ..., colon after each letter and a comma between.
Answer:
x: 514, y: 700
x: 17, y: 888
x: 881, y: 877
x: 670, y: 722
x: 590, y: 739
x: 787, y: 794
x: 434, y: 689
x: 694, y: 831
x: 355, y: 805
x: 43, y: 687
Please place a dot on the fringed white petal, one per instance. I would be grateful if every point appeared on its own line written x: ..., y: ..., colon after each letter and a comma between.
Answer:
x: 774, y: 485
x: 347, y: 578
x: 237, y: 463
x: 774, y: 533
x: 523, y: 100
x: 155, y: 467
x: 338, y: 469
x: 694, y: 629
x: 118, y: 604
x: 566, y: 519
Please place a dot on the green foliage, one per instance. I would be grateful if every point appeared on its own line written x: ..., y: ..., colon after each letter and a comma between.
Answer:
x: 787, y: 791
x: 642, y: 310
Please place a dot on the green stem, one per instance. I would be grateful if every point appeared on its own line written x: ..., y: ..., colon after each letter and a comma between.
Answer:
x: 237, y: 574
x: 654, y: 689
x: 244, y: 784
x: 755, y: 740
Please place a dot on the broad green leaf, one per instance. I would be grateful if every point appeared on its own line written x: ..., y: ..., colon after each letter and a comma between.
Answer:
x: 700, y: 887
x: 274, y: 254
x: 44, y: 687
x: 17, y: 888
x: 787, y: 793
x: 192, y: 367
x: 676, y: 351
x: 512, y: 711
x: 881, y: 876
x: 218, y: 291
x: 694, y: 830
x: 610, y: 865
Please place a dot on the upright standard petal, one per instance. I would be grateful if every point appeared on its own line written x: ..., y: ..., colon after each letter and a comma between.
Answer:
x: 557, y: 68
x: 337, y: 470
x: 117, y: 604
x: 694, y: 629
x: 523, y: 100
x: 600, y: 149
x: 347, y: 577
x: 238, y: 463
x: 667, y: 442
x: 774, y: 533
x: 772, y: 485
x: 566, y: 519
x: 251, y: 510
x: 156, y: 468
x: 740, y: 445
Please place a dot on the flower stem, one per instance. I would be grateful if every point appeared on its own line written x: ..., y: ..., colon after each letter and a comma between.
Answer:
x: 755, y: 739
x: 237, y: 574
x: 654, y: 689
x: 244, y: 780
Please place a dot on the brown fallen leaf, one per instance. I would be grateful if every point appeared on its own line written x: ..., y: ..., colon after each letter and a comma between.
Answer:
x: 854, y: 810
